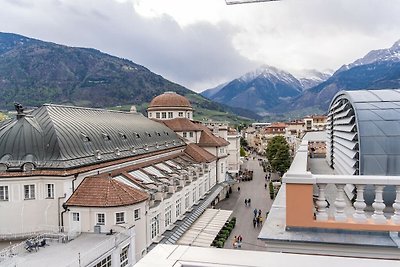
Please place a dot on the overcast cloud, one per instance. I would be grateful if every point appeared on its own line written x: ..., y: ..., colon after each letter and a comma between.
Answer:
x: 201, y: 43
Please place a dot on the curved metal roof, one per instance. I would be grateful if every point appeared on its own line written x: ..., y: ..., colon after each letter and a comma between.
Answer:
x: 62, y: 137
x: 376, y: 131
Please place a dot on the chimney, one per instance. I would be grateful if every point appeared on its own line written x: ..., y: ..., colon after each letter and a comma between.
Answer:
x: 20, y: 110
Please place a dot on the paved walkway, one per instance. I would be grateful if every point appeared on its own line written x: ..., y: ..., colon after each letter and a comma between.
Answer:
x: 244, y: 215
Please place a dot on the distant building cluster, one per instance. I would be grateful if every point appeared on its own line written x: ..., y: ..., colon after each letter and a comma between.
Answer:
x: 258, y: 134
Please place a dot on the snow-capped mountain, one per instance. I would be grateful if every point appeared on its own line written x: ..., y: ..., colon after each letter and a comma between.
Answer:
x: 259, y: 90
x: 387, y: 54
x: 379, y: 69
x: 310, y: 77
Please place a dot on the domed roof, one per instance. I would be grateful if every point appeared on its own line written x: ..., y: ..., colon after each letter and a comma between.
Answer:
x: 170, y: 99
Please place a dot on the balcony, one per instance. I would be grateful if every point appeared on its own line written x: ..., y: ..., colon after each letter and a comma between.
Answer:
x: 312, y: 213
x: 319, y: 200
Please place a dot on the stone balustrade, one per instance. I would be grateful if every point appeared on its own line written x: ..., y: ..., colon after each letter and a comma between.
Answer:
x: 391, y: 216
x: 307, y: 205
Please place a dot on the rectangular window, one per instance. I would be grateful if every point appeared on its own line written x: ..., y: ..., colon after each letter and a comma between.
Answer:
x: 178, y: 208
x: 150, y: 114
x: 119, y: 217
x: 168, y: 216
x: 190, y: 134
x: 136, y: 214
x: 75, y: 216
x: 157, y: 115
x: 222, y: 167
x: 170, y: 115
x: 194, y: 195
x: 4, y: 193
x: 106, y: 262
x: 180, y: 114
x: 163, y: 115
x: 155, y: 226
x: 49, y: 190
x: 184, y: 134
x: 123, y: 257
x: 29, y: 191
x: 101, y: 219
x: 186, y: 200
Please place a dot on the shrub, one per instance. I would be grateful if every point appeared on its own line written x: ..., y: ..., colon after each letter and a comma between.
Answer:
x: 219, y: 244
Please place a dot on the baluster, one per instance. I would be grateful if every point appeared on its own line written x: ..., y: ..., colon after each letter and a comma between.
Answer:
x: 340, y: 204
x: 359, y: 205
x: 396, y: 207
x: 322, y: 214
x: 379, y: 206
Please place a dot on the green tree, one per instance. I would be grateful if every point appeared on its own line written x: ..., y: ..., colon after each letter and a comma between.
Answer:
x: 243, y: 142
x: 278, y: 155
x: 242, y: 152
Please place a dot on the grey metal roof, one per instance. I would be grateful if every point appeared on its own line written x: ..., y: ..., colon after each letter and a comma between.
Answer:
x: 377, y: 121
x: 62, y: 137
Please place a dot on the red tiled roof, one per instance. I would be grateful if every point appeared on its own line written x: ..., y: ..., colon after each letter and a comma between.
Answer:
x: 105, y: 192
x: 199, y: 154
x: 208, y: 139
x: 180, y: 125
x: 170, y: 99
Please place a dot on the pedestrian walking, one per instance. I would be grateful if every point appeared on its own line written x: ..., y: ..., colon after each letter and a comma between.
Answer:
x: 239, y: 242
x: 255, y: 213
x: 245, y: 202
x: 259, y: 213
x: 249, y: 201
x: 257, y: 220
x: 265, y: 186
x: 239, y: 189
x: 234, y: 242
x: 254, y: 222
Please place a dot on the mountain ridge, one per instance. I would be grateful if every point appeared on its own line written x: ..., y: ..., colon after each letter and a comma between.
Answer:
x: 34, y: 72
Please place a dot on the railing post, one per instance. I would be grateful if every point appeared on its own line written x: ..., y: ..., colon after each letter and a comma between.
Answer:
x: 379, y: 206
x: 359, y: 216
x: 322, y: 215
x: 340, y: 204
x: 396, y: 207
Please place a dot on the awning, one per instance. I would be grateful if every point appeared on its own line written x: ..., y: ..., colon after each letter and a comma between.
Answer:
x: 170, y: 237
x: 205, y: 229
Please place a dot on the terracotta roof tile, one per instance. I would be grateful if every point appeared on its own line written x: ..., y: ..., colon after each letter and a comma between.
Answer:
x: 199, y: 154
x: 180, y: 125
x: 208, y: 139
x: 105, y: 192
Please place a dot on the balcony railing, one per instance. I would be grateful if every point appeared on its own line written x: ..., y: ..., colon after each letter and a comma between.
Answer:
x: 304, y: 209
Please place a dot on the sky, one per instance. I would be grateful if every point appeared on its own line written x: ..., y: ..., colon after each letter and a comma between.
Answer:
x: 202, y: 43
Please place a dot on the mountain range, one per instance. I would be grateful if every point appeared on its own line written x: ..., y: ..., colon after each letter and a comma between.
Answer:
x: 271, y: 91
x: 264, y: 89
x: 33, y: 72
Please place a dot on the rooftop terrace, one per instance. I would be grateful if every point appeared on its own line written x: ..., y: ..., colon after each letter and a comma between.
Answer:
x: 311, y: 213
